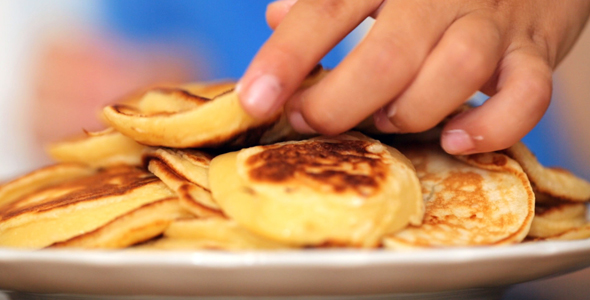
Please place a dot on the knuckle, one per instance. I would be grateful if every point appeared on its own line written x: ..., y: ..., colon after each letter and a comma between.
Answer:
x: 468, y: 60
x: 285, y: 54
x: 538, y: 89
x: 332, y: 9
x: 388, y: 55
x: 340, y: 10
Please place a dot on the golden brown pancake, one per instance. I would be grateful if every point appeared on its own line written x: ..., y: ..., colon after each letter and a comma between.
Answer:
x: 181, y: 119
x: 225, y: 234
x: 185, y: 172
x: 551, y: 220
x: 485, y: 199
x: 209, y: 89
x: 98, y: 149
x: 576, y: 233
x: 193, y: 197
x: 555, y: 182
x: 346, y: 190
x: 204, y: 89
x: 70, y: 208
x: 136, y: 226
x: 169, y: 100
x: 42, y: 178
x: 193, y: 165
x: 172, y: 244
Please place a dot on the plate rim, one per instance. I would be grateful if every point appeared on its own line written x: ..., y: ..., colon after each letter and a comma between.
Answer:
x: 311, y: 257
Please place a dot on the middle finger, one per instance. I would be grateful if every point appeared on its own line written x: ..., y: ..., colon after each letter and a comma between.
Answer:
x: 464, y: 59
x: 382, y: 65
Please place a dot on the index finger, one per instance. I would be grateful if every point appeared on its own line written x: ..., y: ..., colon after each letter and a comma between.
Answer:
x: 308, y: 32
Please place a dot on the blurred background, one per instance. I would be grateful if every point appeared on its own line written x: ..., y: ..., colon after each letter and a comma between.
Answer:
x: 62, y: 60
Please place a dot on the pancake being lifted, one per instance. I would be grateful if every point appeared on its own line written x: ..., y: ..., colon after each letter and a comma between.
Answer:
x: 481, y: 199
x: 181, y: 118
x: 347, y: 190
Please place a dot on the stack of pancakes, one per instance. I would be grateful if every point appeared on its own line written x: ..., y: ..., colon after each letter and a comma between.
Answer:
x: 184, y: 167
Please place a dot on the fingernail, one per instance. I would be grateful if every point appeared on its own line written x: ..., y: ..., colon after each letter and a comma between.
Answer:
x: 286, y: 4
x: 383, y: 123
x: 298, y: 123
x: 260, y: 99
x: 391, y: 111
x: 457, y: 141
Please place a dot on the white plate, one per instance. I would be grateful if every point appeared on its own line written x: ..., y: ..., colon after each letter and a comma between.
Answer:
x: 310, y: 272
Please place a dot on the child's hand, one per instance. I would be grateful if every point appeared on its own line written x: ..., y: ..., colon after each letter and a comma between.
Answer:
x: 420, y: 61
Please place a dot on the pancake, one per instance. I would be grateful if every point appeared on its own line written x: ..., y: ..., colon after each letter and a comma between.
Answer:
x: 136, y: 226
x: 551, y: 220
x: 42, y: 178
x: 224, y: 234
x: 71, y: 208
x: 172, y: 244
x: 576, y: 233
x: 186, y: 173
x: 347, y: 190
x: 193, y: 197
x: 555, y: 182
x: 181, y: 119
x: 98, y: 149
x: 482, y: 199
x: 192, y: 165
x: 181, y: 98
x: 170, y: 100
x: 208, y: 89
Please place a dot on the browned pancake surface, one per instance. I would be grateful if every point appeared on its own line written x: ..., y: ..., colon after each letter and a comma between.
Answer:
x: 346, y: 166
x: 474, y: 200
x: 110, y: 182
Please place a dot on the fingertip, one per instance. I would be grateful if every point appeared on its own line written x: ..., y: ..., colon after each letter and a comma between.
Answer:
x: 276, y: 12
x: 260, y: 98
x: 458, y: 142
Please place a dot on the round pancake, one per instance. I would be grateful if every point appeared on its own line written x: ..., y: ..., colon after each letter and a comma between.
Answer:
x: 209, y: 89
x: 555, y: 182
x: 181, y: 119
x: 192, y: 165
x: 484, y: 199
x: 193, y: 197
x: 346, y: 190
x: 172, y: 244
x: 169, y: 100
x: 576, y: 233
x: 70, y: 208
x: 226, y: 234
x: 185, y: 172
x: 42, y: 178
x: 136, y: 226
x: 551, y: 220
x: 98, y: 149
